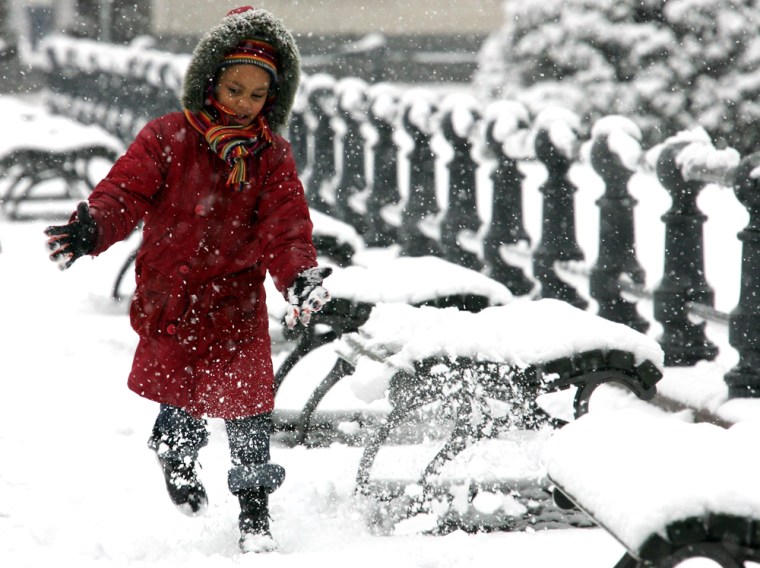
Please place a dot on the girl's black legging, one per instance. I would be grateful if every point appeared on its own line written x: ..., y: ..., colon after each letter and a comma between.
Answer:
x: 185, y: 435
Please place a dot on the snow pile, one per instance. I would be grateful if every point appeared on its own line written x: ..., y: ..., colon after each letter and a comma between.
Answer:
x: 698, y: 158
x: 510, y: 127
x: 522, y: 333
x: 662, y: 470
x: 384, y: 279
x: 33, y: 128
x: 352, y: 94
x: 562, y: 126
x: 413, y: 281
x: 421, y: 105
x: 384, y: 99
x: 325, y: 225
x: 623, y: 139
x: 464, y: 112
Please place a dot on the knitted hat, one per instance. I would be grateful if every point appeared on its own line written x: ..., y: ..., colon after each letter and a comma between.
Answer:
x: 276, y: 49
x: 253, y: 52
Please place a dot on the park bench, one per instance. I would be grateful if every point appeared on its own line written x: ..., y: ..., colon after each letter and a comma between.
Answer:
x: 484, y: 372
x: 43, y: 148
x: 355, y: 291
x: 668, y: 490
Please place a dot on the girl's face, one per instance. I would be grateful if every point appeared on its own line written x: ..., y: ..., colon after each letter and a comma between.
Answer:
x: 243, y: 89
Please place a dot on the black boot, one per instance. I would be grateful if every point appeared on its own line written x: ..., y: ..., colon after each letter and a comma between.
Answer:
x: 185, y: 489
x: 254, y: 521
x: 176, y: 439
x: 252, y: 478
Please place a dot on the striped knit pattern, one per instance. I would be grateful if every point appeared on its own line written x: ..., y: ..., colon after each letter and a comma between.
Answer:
x: 253, y: 52
x: 232, y: 143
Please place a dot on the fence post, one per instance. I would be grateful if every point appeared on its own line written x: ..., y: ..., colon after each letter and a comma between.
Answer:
x: 615, y: 151
x: 351, y: 183
x: 555, y: 146
x: 321, y: 168
x: 298, y: 131
x: 507, y: 125
x: 165, y: 100
x: 382, y: 114
x: 460, y: 115
x: 683, y: 281
x: 744, y: 324
x: 132, y: 100
x: 114, y: 97
x: 419, y: 108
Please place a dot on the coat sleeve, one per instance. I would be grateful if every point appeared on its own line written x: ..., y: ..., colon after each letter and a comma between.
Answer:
x: 123, y: 197
x: 284, y: 224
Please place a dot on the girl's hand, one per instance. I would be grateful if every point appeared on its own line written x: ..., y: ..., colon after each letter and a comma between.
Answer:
x: 307, y: 295
x: 73, y: 240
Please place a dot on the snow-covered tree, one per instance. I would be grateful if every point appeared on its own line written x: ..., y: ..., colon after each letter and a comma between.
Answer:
x: 666, y: 64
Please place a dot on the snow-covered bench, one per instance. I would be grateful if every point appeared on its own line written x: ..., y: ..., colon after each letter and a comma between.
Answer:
x: 668, y: 490
x: 42, y: 147
x: 355, y: 291
x: 489, y: 368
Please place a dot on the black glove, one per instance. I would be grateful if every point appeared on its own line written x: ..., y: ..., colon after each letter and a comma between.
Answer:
x: 77, y: 238
x: 306, y: 295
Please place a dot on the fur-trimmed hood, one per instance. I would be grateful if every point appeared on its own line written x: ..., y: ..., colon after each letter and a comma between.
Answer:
x: 220, y: 39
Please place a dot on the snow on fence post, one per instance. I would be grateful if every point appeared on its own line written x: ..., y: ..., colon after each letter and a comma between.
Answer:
x: 351, y: 183
x: 683, y: 282
x: 419, y: 106
x: 615, y: 153
x: 460, y: 115
x: 382, y: 115
x: 744, y: 323
x: 321, y: 163
x: 507, y: 125
x: 556, y: 141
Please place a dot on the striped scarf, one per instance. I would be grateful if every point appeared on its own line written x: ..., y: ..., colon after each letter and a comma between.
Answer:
x: 232, y: 143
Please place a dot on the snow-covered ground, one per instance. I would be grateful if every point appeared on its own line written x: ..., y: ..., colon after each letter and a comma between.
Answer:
x: 79, y: 486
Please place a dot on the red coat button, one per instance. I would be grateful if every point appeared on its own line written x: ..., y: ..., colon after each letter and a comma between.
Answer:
x: 171, y: 329
x: 200, y: 210
x: 184, y: 269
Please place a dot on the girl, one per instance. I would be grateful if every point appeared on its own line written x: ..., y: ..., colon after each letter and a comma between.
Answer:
x: 217, y: 191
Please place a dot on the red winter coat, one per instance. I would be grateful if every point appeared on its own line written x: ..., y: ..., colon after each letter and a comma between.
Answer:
x: 199, y: 306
